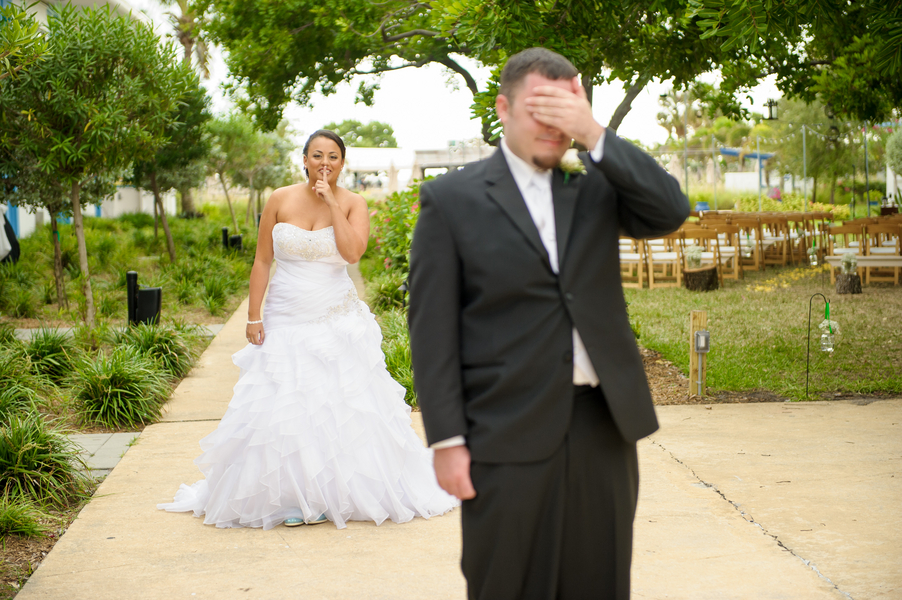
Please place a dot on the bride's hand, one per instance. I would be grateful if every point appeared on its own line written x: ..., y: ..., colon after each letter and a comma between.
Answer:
x: 255, y: 334
x: 324, y: 191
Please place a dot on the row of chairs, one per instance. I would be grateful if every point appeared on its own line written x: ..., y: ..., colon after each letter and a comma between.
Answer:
x: 661, y: 262
x: 735, y: 242
x: 876, y: 243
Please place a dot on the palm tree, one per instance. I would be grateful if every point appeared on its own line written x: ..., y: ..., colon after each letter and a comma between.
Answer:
x: 188, y: 33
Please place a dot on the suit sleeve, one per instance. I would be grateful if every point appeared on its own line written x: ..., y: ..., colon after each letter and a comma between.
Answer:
x: 434, y: 318
x: 650, y: 201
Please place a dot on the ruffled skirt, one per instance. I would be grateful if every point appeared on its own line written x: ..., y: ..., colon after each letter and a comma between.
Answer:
x: 316, y: 426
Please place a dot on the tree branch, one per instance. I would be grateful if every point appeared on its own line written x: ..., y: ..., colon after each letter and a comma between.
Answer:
x: 625, y: 105
x: 454, y: 66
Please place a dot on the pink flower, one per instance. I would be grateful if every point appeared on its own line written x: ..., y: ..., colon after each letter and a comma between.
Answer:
x: 374, y: 213
x: 388, y: 219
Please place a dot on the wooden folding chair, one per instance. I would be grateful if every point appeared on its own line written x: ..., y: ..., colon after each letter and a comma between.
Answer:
x: 751, y: 249
x: 775, y: 240
x: 883, y: 240
x: 633, y: 260
x: 708, y: 240
x: 730, y: 250
x: 665, y: 261
x: 851, y: 242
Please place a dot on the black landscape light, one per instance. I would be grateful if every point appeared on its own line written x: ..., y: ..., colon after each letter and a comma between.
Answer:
x: 144, y: 304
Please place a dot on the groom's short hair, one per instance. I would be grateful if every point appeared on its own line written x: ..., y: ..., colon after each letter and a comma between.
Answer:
x: 533, y: 60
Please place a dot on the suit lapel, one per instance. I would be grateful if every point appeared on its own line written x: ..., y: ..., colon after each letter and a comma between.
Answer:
x: 503, y: 190
x: 564, y: 198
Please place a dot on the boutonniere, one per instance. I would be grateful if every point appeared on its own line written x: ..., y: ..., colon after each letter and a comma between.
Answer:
x: 571, y: 165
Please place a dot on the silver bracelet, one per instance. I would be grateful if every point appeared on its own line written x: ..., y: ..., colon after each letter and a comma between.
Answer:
x: 255, y: 322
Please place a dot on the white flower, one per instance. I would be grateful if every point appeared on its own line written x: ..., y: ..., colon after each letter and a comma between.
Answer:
x: 830, y: 326
x: 571, y: 163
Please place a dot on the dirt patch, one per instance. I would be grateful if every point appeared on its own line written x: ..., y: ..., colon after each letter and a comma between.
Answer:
x: 669, y: 385
x: 20, y: 556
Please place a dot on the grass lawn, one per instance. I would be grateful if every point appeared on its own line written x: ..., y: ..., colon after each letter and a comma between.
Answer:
x: 758, y: 334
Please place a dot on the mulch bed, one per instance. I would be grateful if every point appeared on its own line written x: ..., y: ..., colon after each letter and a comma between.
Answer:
x: 19, y: 556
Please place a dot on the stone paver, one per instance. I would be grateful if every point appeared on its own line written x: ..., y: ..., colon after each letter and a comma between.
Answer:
x: 102, y: 451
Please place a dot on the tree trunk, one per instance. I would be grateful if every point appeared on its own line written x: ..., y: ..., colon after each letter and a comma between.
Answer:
x: 155, y: 217
x: 61, y: 298
x: 259, y: 208
x: 158, y: 202
x: 83, y: 256
x: 626, y: 104
x: 250, y: 202
x: 814, y: 189
x: 187, y: 202
x: 833, y: 189
x: 229, y: 202
x: 701, y: 280
x: 848, y: 283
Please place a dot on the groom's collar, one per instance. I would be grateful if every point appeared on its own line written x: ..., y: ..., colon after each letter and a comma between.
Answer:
x: 522, y: 171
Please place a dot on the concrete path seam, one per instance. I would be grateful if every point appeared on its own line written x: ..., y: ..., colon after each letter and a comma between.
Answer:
x: 750, y: 519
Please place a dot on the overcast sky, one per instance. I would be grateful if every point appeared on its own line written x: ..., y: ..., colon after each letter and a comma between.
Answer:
x: 426, y: 112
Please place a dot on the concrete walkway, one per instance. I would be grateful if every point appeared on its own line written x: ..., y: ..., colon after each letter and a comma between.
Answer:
x: 743, y: 501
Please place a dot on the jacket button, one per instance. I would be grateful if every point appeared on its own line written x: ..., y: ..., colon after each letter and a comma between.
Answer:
x: 569, y: 297
x: 568, y: 356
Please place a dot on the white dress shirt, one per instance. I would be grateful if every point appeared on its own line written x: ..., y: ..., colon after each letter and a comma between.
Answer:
x: 535, y: 187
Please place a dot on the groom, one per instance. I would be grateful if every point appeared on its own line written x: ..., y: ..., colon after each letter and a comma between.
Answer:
x: 532, y: 390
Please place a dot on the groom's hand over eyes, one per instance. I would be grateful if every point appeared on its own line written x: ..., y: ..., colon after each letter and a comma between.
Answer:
x: 566, y: 110
x: 452, y: 469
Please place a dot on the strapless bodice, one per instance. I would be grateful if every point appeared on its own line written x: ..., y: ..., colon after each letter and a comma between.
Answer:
x: 311, y: 283
x: 293, y: 243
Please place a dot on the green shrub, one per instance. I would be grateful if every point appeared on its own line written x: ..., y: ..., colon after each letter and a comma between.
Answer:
x: 19, y: 516
x: 19, y: 386
x: 393, y: 222
x: 38, y: 462
x: 382, y: 291
x: 396, y: 347
x: 165, y: 345
x: 7, y: 335
x: 120, y: 389
x: 53, y: 353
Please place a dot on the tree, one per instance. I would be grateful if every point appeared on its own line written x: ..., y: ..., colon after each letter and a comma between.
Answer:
x: 894, y: 151
x: 187, y: 31
x: 21, y: 41
x: 306, y: 46
x: 266, y: 164
x: 186, y: 145
x: 846, y: 54
x: 231, y: 139
x: 374, y: 134
x: 101, y: 100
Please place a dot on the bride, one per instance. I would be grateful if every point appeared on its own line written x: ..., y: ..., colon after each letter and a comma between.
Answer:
x: 317, y: 429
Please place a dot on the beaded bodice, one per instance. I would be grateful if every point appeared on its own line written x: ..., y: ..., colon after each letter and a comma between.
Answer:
x: 296, y: 243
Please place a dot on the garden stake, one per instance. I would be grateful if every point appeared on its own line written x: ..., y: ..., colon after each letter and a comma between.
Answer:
x: 829, y: 327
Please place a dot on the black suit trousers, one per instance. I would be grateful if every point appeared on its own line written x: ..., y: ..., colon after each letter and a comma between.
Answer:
x: 559, y: 528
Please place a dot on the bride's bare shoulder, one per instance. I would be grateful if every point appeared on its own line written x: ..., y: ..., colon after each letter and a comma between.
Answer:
x: 350, y: 199
x: 289, y: 191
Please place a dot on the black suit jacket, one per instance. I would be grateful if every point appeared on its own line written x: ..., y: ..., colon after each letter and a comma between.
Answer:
x: 491, y: 323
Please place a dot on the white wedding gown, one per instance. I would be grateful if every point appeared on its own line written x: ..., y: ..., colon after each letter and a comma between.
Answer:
x: 316, y: 424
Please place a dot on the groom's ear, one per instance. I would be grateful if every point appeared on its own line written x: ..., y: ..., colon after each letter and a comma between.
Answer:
x: 502, y: 107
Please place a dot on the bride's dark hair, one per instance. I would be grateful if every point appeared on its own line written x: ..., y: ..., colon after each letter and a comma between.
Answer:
x: 328, y: 135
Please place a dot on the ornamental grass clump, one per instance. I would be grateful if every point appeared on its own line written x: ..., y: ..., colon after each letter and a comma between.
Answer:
x: 21, y: 517
x: 121, y: 389
x: 20, y: 387
x: 38, y: 462
x: 160, y: 343
x: 53, y: 354
x: 396, y: 347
